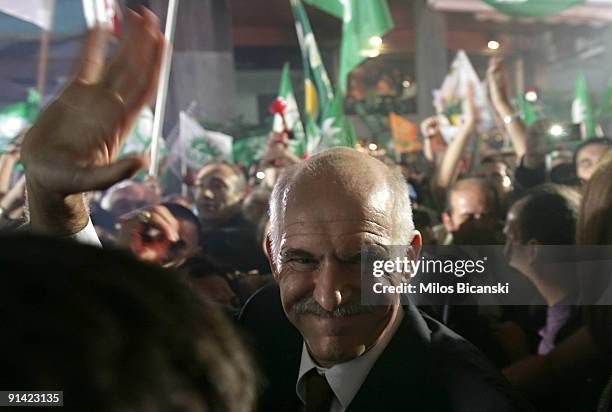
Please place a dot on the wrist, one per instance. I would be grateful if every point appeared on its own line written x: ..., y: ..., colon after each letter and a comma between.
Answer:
x: 56, y: 214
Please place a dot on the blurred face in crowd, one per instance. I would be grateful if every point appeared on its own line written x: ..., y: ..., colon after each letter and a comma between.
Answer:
x: 498, y: 176
x: 467, y: 202
x: 218, y: 193
x: 587, y: 159
x: 324, y: 228
x: 130, y: 198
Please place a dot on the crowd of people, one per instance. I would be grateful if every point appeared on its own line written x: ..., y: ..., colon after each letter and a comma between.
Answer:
x: 245, y: 294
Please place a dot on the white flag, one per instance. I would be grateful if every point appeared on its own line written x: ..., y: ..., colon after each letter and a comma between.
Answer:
x: 38, y: 12
x: 196, y: 146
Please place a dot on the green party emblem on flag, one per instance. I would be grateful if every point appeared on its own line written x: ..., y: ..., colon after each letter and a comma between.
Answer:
x: 582, y: 112
x: 532, y: 8
x: 363, y: 21
x: 198, y: 146
x: 15, y: 118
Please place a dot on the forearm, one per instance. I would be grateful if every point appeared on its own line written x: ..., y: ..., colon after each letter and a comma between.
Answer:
x: 517, y: 130
x: 54, y: 214
x: 446, y: 170
x: 7, y: 164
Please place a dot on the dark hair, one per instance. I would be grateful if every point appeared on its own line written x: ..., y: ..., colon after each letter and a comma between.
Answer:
x: 548, y: 213
x: 606, y: 141
x: 182, y: 213
x: 114, y: 333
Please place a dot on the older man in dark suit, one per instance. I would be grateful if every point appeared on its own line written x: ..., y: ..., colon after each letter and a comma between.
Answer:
x: 319, y: 345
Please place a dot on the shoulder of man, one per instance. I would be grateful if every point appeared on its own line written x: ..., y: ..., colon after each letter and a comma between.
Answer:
x: 471, y: 381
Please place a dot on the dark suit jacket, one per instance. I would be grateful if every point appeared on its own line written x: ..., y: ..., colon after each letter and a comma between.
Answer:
x: 425, y: 367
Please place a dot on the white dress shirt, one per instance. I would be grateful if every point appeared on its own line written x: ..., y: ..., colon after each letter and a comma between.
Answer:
x: 87, y: 235
x: 346, y: 378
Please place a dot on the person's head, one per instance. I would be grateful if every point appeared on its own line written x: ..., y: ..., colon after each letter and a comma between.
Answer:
x: 209, y: 281
x: 323, y: 212
x: 595, y: 228
x: 470, y: 200
x: 588, y: 154
x: 128, y: 196
x: 114, y: 333
x: 545, y: 215
x: 189, y: 235
x: 219, y: 191
x: 495, y: 170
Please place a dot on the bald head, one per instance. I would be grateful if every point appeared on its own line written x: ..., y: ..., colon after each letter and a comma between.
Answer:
x: 346, y: 173
x: 470, y: 198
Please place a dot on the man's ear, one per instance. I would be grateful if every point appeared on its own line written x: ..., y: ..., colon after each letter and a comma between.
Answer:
x: 416, y: 244
x: 269, y: 256
x: 533, y: 251
x: 447, y: 222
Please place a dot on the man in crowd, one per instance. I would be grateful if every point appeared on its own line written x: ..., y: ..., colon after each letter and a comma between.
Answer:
x: 229, y: 240
x: 587, y: 156
x: 472, y: 214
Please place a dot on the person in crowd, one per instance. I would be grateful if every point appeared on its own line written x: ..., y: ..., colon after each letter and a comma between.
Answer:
x: 111, y: 332
x: 499, y: 175
x: 573, y: 375
x: 128, y: 196
x: 588, y: 154
x: 546, y: 215
x: 345, y: 355
x: 220, y: 190
x: 166, y: 234
x: 472, y: 214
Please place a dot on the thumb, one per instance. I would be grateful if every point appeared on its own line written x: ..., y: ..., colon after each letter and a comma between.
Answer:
x: 101, y: 178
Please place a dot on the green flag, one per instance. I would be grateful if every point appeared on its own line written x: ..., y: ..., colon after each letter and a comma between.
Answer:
x: 605, y: 105
x: 249, y: 150
x: 292, y: 114
x: 15, y: 118
x: 140, y: 136
x: 362, y: 21
x: 527, y: 110
x: 532, y: 8
x: 582, y: 112
x: 197, y: 146
x: 324, y: 112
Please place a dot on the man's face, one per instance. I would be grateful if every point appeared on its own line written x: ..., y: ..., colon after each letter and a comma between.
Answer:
x: 323, y: 233
x: 496, y: 173
x: 469, y: 203
x: 587, y: 159
x: 218, y: 194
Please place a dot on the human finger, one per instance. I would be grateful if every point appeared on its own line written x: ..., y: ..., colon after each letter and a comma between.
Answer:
x: 92, y: 61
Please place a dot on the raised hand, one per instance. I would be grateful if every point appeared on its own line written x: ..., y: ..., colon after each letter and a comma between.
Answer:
x: 498, y: 86
x: 73, y: 146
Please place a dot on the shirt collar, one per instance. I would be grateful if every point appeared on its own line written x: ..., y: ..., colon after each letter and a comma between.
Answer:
x: 346, y: 378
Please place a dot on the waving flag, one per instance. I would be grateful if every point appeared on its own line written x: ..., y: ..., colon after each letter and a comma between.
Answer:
x: 15, y: 118
x: 582, y: 113
x: 38, y: 12
x: 292, y: 115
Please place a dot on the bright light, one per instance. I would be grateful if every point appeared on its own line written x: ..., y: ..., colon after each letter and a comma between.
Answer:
x: 493, y: 45
x: 373, y: 53
x: 406, y: 84
x: 531, y: 96
x: 372, y: 146
x: 260, y: 175
x: 556, y: 130
x: 376, y: 41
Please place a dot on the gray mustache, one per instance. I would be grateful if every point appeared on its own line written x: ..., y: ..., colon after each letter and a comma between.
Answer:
x: 309, y: 306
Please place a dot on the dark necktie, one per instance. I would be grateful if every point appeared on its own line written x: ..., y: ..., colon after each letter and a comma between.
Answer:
x: 319, y: 394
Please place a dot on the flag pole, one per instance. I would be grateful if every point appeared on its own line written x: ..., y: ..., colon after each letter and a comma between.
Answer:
x: 43, y: 55
x: 162, y: 91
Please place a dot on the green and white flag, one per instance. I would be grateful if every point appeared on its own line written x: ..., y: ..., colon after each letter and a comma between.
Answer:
x: 527, y: 110
x: 249, y: 150
x: 197, y: 146
x: 604, y: 110
x: 15, y: 118
x: 362, y: 20
x: 324, y: 113
x: 532, y: 8
x: 139, y: 139
x: 582, y: 113
x: 292, y: 115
